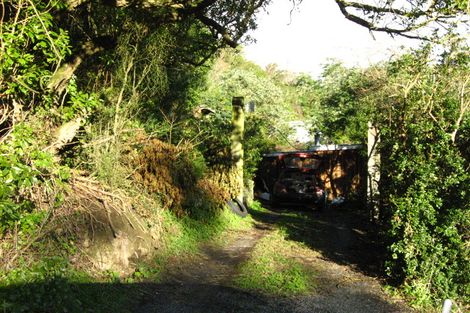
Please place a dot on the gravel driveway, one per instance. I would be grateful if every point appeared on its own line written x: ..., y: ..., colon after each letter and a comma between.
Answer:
x: 345, y: 265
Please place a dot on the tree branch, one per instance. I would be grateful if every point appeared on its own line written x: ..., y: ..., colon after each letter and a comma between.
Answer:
x: 370, y: 8
x: 464, y: 107
x: 219, y: 28
x: 411, y: 20
x: 372, y: 27
x: 201, y: 6
x: 60, y: 78
x: 204, y: 59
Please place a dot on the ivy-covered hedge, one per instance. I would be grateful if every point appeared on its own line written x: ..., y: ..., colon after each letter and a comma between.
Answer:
x: 420, y: 104
x: 425, y: 183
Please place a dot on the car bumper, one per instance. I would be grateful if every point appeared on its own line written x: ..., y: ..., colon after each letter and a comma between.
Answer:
x: 300, y: 198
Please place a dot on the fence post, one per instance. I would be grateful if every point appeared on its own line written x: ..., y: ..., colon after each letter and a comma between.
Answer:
x: 373, y: 171
x: 238, y: 124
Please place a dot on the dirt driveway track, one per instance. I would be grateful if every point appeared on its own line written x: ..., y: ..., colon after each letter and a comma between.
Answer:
x: 346, y: 270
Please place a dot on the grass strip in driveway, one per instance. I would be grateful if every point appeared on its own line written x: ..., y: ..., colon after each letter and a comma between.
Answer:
x: 274, y: 269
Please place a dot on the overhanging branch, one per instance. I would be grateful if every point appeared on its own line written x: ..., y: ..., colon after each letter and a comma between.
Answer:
x: 61, y: 77
x: 371, y: 8
x: 219, y: 28
x: 404, y: 32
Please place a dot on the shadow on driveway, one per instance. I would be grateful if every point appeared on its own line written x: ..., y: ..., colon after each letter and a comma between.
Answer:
x: 341, y: 235
x: 169, y: 298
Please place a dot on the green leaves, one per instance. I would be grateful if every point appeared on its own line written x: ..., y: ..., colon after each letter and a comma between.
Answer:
x: 24, y: 168
x: 80, y: 103
x: 337, y: 104
x: 230, y: 76
x: 32, y: 49
x: 424, y: 179
x: 418, y: 106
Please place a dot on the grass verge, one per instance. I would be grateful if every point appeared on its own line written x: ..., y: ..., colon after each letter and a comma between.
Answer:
x: 273, y: 268
x: 52, y: 285
x: 183, y: 237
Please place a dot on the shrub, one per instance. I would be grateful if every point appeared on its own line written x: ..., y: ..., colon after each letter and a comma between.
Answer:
x: 28, y: 177
x: 178, y: 177
x: 425, y: 181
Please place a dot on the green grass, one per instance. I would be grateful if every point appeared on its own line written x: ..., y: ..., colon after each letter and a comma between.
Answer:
x: 184, y: 235
x: 273, y: 270
x: 182, y: 238
x: 53, y: 285
x: 257, y: 208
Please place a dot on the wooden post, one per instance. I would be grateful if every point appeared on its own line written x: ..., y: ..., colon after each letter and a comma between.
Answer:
x: 373, y: 171
x: 238, y: 124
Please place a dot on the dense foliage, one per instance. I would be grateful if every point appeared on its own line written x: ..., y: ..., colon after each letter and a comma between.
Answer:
x: 331, y: 101
x: 425, y: 175
x: 85, y: 85
x: 232, y: 76
x: 421, y: 107
x: 32, y: 48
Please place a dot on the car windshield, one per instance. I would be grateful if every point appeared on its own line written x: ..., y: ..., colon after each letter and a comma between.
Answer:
x: 298, y: 175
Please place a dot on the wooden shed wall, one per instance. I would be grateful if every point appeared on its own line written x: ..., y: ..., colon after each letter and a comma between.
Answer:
x: 344, y: 172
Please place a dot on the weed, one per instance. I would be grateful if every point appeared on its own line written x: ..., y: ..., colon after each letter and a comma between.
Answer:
x: 257, y: 207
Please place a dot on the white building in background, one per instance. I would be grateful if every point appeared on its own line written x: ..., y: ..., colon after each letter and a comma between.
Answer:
x: 300, y: 132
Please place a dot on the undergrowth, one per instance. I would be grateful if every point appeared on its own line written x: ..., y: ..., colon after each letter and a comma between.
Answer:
x: 53, y: 284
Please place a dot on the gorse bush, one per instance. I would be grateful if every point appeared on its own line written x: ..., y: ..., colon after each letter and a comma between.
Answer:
x: 177, y: 176
x: 165, y: 171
